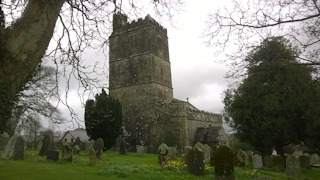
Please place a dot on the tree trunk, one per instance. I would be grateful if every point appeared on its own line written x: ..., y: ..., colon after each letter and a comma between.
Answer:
x: 23, y: 45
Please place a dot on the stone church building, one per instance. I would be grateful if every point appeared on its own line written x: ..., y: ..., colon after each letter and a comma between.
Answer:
x: 140, y: 78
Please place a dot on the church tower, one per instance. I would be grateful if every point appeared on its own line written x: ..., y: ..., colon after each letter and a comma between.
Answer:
x: 139, y: 67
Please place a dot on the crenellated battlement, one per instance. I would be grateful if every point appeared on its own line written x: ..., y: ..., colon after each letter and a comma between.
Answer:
x: 121, y: 24
x: 200, y: 115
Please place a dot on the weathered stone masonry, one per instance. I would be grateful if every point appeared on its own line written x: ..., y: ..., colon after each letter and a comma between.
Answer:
x: 140, y: 78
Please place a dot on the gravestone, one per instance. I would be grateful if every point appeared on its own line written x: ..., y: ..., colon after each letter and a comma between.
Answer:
x: 293, y: 167
x: 52, y: 155
x: 199, y: 146
x: 98, y: 147
x: 195, y: 162
x: 67, y: 154
x: 122, y: 149
x: 45, y: 145
x: 140, y: 150
x: 278, y: 163
x: 76, y: 149
x: 172, y: 152
x: 186, y: 151
x: 314, y: 160
x: 305, y: 161
x: 4, y: 138
x: 257, y: 161
x: 267, y: 161
x: 223, y: 164
x: 9, y: 149
x: 207, y: 153
x: 39, y: 145
x: 249, y: 154
x: 163, y: 151
x: 88, y: 146
x: 92, y: 157
x: 239, y: 158
x: 19, y: 149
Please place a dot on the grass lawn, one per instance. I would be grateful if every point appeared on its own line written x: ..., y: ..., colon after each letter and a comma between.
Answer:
x: 115, y: 166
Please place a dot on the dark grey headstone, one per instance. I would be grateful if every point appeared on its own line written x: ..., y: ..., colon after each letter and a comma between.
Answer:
x: 293, y: 167
x: 52, y: 155
x: 123, y: 149
x: 305, y: 161
x: 98, y: 147
x: 278, y: 163
x: 196, y: 162
x: 223, y: 163
x: 267, y: 161
x: 45, y: 145
x: 19, y: 149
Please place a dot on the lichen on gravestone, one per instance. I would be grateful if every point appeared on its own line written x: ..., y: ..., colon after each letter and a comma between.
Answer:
x: 98, y: 147
x: 195, y: 162
x: 293, y: 167
x: 223, y: 163
x: 92, y: 157
x: 163, y: 151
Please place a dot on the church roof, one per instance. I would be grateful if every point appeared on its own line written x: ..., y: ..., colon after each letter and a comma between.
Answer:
x: 207, y: 135
x: 81, y: 133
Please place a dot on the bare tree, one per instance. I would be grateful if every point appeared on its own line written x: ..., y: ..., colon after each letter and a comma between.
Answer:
x: 245, y: 24
x: 72, y: 26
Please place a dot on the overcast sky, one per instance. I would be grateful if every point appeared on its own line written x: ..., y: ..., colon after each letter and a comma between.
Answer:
x: 196, y: 73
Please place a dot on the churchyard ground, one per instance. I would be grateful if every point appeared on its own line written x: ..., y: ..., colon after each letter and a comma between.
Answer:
x: 116, y: 166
